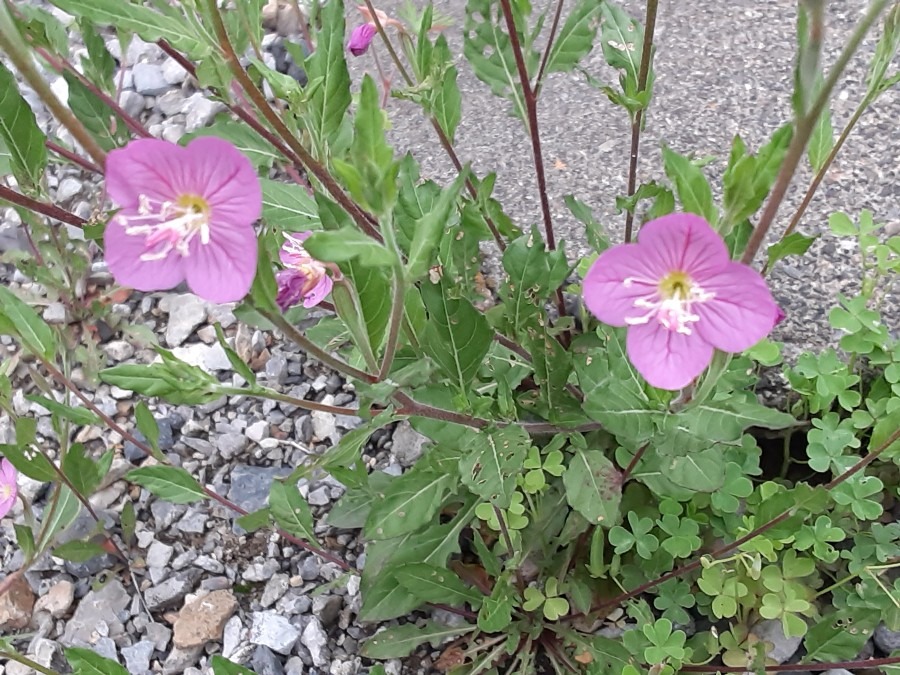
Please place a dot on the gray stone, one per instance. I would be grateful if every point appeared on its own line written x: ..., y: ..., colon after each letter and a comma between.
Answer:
x: 327, y: 608
x: 258, y: 431
x: 261, y: 571
x: 194, y: 521
x: 264, y: 662
x: 119, y: 350
x: 159, y: 635
x: 132, y: 102
x: 103, y: 605
x: 171, y: 591
x: 137, y: 657
x: 315, y: 639
x: 293, y: 602
x: 211, y: 358
x: 49, y: 654
x: 250, y: 485
x: 276, y: 369
x: 782, y: 647
x: 149, y: 80
x: 886, y: 640
x: 275, y: 588
x: 180, y: 659
x: 319, y: 497
x: 68, y: 188
x: 837, y: 671
x: 170, y: 103
x: 200, y: 112
x: 323, y: 425
x: 230, y: 445
x: 106, y: 648
x: 407, y: 444
x: 165, y: 514
x: 159, y: 554
x: 172, y: 71
x: 55, y: 312
x: 231, y: 636
x: 310, y: 569
x: 274, y: 631
x: 173, y: 134
x: 186, y: 312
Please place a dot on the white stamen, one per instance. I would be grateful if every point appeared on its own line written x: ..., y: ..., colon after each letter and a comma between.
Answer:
x: 675, y: 313
x: 174, y: 228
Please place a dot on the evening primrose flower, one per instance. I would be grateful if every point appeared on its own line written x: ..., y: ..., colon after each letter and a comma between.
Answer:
x: 361, y: 36
x: 187, y: 213
x: 681, y: 296
x: 303, y: 278
x: 8, y: 487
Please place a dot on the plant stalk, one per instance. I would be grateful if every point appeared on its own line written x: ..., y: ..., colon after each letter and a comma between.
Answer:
x: 49, y: 210
x: 28, y: 663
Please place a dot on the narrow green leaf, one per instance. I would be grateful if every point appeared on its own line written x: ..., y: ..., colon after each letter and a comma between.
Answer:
x: 106, y: 127
x: 348, y: 244
x: 256, y: 148
x: 400, y: 641
x: 427, y: 233
x: 100, y: 65
x: 433, y: 583
x: 64, y: 509
x: 691, y: 185
x: 36, y: 336
x: 171, y: 483
x: 222, y: 666
x: 822, y: 141
x: 20, y: 133
x: 25, y: 541
x: 408, y: 503
x: 78, y: 551
x: 576, y: 37
x: 147, y: 424
x: 327, y: 65
x: 594, y: 487
x: 89, y: 662
x: 84, y: 472
x: 29, y: 462
x: 237, y: 363
x: 76, y: 415
x: 42, y: 29
x: 446, y: 104
x: 291, y: 511
x: 372, y: 157
x: 491, y: 462
x: 794, y: 244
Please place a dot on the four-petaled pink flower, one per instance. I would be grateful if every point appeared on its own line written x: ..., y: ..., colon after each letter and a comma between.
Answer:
x: 681, y: 297
x: 8, y: 486
x: 303, y: 278
x: 187, y: 214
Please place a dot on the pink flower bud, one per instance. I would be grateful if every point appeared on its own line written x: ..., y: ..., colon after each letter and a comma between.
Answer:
x: 361, y: 38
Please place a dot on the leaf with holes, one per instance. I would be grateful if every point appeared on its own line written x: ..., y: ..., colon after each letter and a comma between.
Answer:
x: 432, y: 583
x: 594, y: 487
x: 491, y: 462
x: 400, y: 641
x: 290, y: 511
x: 839, y: 636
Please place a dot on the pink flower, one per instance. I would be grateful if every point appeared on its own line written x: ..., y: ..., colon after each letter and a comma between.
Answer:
x: 681, y: 297
x: 187, y: 214
x: 361, y: 38
x: 8, y: 487
x: 303, y: 278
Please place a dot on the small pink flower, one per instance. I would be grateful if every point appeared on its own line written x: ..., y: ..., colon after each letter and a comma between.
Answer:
x: 8, y: 486
x: 187, y: 214
x: 303, y: 278
x: 361, y: 38
x: 681, y: 297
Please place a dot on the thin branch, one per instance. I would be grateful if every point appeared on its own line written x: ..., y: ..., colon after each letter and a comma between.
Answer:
x: 634, y: 461
x: 364, y: 220
x: 638, y: 123
x: 805, y: 126
x: 396, y: 319
x: 49, y: 210
x: 554, y: 27
x: 507, y: 539
x: 272, y: 395
x: 73, y: 157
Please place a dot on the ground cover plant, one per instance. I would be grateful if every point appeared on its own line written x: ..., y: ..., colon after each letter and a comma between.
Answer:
x: 598, y: 492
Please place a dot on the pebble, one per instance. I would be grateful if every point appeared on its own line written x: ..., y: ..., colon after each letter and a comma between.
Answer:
x: 102, y: 607
x: 149, y: 80
x: 172, y: 71
x: 58, y: 600
x: 68, y: 188
x: 886, y: 640
x: 319, y: 497
x: 171, y: 591
x: 261, y: 571
x: 200, y: 111
x: 118, y: 350
x: 180, y: 659
x: 55, y: 312
x: 230, y: 445
x: 231, y: 636
x: 137, y: 657
x: 186, y: 312
x: 782, y: 647
x: 171, y: 103
x: 274, y: 590
x: 16, y: 605
x: 323, y: 425
x: 250, y: 485
x: 159, y: 554
x: 407, y: 444
x: 258, y: 431
x: 159, y: 635
x: 264, y: 662
x: 203, y: 619
x: 211, y: 358
x: 132, y: 102
x: 274, y: 631
x: 315, y: 639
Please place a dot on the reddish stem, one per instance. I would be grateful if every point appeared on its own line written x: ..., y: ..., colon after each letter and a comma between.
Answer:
x: 43, y: 208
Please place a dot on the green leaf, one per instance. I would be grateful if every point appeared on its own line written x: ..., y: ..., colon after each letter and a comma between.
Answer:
x: 488, y: 50
x: 371, y: 155
x: 100, y: 65
x: 256, y: 148
x: 345, y: 244
x: 106, y: 127
x: 428, y: 229
x: 288, y: 208
x: 78, y: 551
x: 407, y: 504
x: 822, y: 141
x: 701, y: 471
x: 691, y: 185
x: 181, y: 383
x: 291, y: 511
x: 885, y: 51
x: 42, y: 29
x: 139, y: 18
x: 222, y: 666
x: 491, y: 462
x: 576, y: 38
x: 25, y: 541
x: 65, y: 507
x: 27, y: 461
x: 84, y: 472
x: 432, y: 583
x: 622, y: 40
x: 400, y: 641
x: 496, y: 612
x: 446, y: 103
x: 147, y: 425
x: 76, y: 415
x: 794, y: 244
x: 17, y: 318
x: 594, y: 487
x: 839, y: 636
x: 171, y: 483
x: 20, y: 133
x: 237, y: 363
x: 89, y: 662
x: 327, y: 65
x: 457, y: 336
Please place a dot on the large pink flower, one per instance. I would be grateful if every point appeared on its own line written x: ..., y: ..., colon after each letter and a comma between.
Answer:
x: 681, y: 297
x: 187, y: 214
x: 303, y: 278
x: 8, y: 487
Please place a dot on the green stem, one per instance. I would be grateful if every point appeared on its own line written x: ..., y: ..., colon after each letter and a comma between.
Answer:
x: 805, y: 126
x: 363, y: 220
x: 638, y: 122
x: 28, y: 663
x: 316, y: 352
x: 17, y: 51
x: 396, y: 319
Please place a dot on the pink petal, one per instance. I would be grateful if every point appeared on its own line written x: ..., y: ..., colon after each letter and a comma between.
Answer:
x: 666, y: 359
x: 318, y: 293
x: 742, y: 313
x: 605, y: 293
x: 217, y: 171
x: 222, y: 270
x: 123, y: 257
x: 361, y: 38
x: 146, y: 166
x: 684, y: 242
